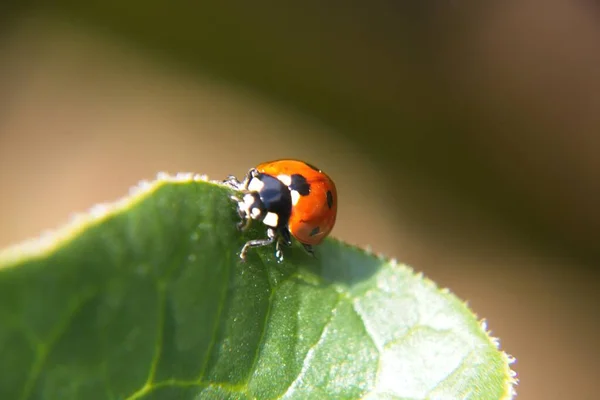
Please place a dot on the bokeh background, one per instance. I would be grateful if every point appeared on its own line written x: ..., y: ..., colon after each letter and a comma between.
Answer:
x: 463, y: 136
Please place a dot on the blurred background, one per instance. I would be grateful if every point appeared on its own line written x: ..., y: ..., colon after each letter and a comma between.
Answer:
x: 463, y: 136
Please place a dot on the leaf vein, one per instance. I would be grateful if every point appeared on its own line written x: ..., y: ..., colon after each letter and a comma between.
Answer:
x: 219, y: 315
x: 44, y: 349
x: 461, y: 365
x: 265, y: 322
x: 311, y: 350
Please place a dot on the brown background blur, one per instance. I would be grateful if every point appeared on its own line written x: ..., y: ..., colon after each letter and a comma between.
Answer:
x: 463, y: 137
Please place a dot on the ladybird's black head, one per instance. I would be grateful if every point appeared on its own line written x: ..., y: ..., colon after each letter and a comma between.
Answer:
x: 276, y: 201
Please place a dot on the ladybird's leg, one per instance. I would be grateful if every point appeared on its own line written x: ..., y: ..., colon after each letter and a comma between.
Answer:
x: 258, y: 243
x: 278, y: 251
x: 245, y: 206
x: 309, y: 249
x: 235, y: 183
x: 285, y: 236
x: 243, y: 203
x: 232, y: 182
x: 254, y: 243
x: 251, y: 174
x: 245, y: 220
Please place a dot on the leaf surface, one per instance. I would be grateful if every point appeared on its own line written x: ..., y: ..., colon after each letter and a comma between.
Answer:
x: 146, y: 298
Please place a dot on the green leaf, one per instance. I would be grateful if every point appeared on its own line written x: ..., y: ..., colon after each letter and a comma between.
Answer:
x: 146, y: 298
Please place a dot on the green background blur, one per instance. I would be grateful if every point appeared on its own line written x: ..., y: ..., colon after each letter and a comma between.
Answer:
x: 463, y: 137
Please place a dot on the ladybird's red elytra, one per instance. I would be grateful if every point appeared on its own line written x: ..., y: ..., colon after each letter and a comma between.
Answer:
x: 292, y: 198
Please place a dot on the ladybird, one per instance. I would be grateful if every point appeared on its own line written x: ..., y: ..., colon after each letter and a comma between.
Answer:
x: 292, y: 198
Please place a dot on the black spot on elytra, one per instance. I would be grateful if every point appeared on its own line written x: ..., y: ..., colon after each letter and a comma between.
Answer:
x: 315, y: 230
x: 300, y: 185
x: 329, y: 199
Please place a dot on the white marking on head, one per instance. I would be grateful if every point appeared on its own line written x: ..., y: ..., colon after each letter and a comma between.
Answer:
x: 285, y: 179
x: 271, y: 219
x: 295, y: 197
x: 255, y: 185
x: 255, y: 212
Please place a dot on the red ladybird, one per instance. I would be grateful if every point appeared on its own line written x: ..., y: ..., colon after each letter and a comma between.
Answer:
x: 292, y: 198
